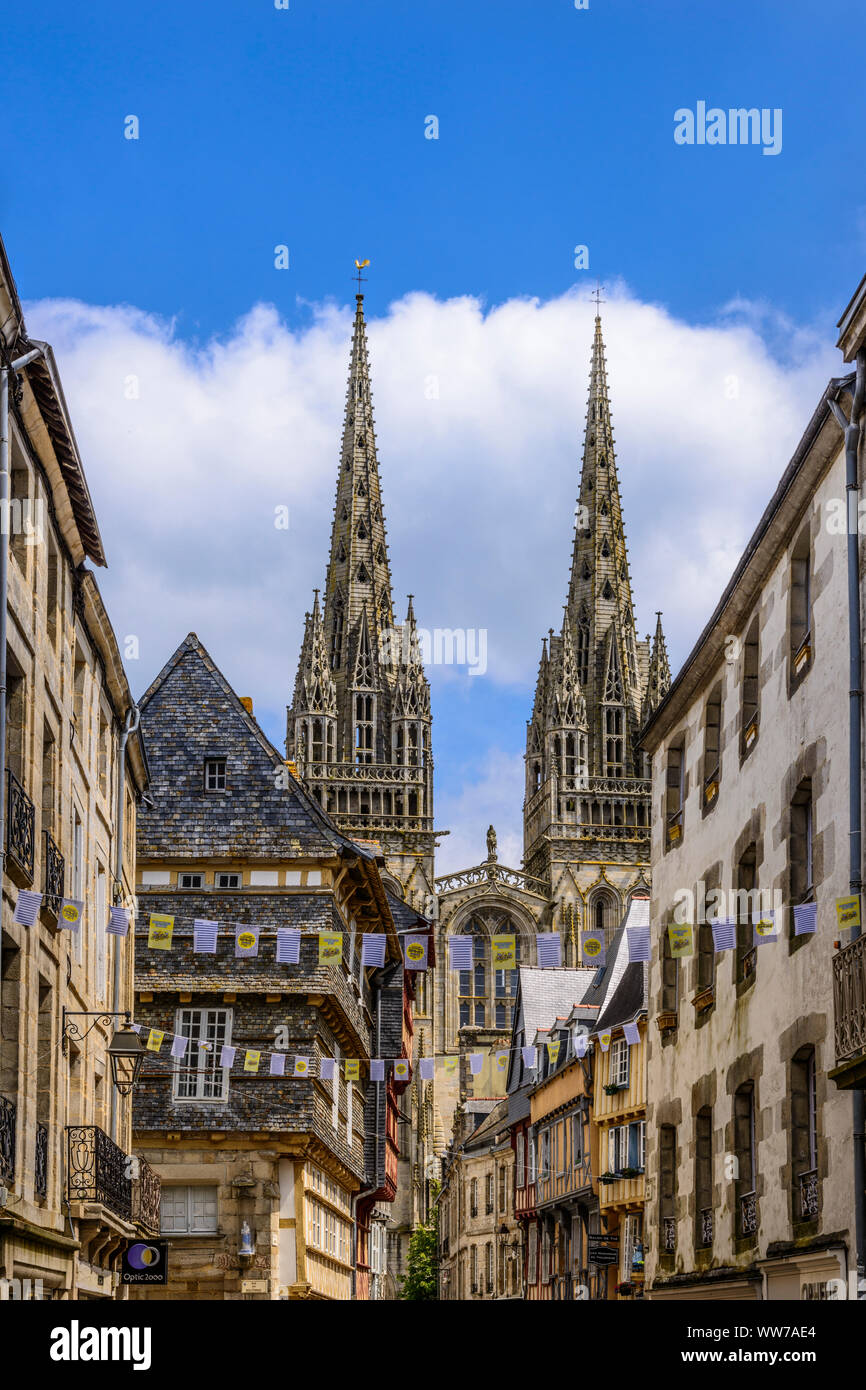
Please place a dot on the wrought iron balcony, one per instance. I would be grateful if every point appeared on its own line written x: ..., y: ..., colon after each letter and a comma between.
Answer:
x: 41, y: 1166
x: 7, y: 1141
x: 20, y: 828
x: 55, y: 874
x: 849, y: 1008
x: 706, y: 1227
x: 97, y: 1170
x: 748, y: 1214
x: 669, y: 1235
x: 808, y: 1185
x: 146, y: 1188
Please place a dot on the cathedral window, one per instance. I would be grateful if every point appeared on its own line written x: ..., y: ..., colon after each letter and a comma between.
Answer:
x: 603, y: 509
x: 613, y: 679
x: 363, y: 576
x: 614, y: 742
x: 586, y: 572
x: 583, y: 648
x: 361, y: 531
x: 317, y: 741
x: 569, y: 767
x: 341, y: 551
x: 605, y: 548
x: 362, y: 491
x: 486, y: 996
x: 607, y: 591
x: 364, y: 728
x: 345, y: 512
x: 380, y: 554
x: 337, y: 637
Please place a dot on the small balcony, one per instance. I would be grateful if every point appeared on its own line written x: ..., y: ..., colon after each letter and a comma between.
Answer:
x: 97, y: 1170
x: 705, y: 1228
x: 669, y: 1235
x: 146, y: 1189
x: 748, y: 1225
x: 849, y: 1009
x: 40, y: 1180
x: 55, y: 876
x: 20, y: 832
x: 7, y: 1142
x: 808, y: 1195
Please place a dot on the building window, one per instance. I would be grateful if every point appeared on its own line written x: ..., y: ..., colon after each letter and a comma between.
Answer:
x: 617, y: 1148
x: 532, y: 1256
x: 364, y: 728
x: 190, y: 880
x: 488, y: 1260
x: 337, y: 635
x: 804, y: 1135
x: 706, y: 963
x: 545, y: 1256
x: 582, y: 653
x: 198, y: 1075
x: 674, y: 794
x: 488, y: 1194
x: 215, y: 775
x: 712, y: 768
x: 577, y: 1140
x: 801, y: 606
x: 474, y: 1269
x: 227, y: 880
x: 486, y: 997
x: 744, y: 1149
x: 704, y: 1177
x: 750, y: 706
x: 670, y: 994
x: 188, y: 1211
x: 668, y: 1188
x: 619, y: 1063
x: 748, y: 905
x: 520, y: 1161
x: 800, y: 847
x: 473, y: 1197
x: 614, y: 742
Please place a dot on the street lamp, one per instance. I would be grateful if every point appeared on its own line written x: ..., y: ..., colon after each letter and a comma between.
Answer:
x: 125, y: 1049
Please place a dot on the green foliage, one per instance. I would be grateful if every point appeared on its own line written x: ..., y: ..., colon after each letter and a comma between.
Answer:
x: 422, y: 1279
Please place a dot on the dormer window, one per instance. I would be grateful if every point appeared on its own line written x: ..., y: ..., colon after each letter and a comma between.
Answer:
x: 215, y: 775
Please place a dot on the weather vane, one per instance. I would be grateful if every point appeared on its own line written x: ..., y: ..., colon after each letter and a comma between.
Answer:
x: 359, y: 266
x: 596, y: 295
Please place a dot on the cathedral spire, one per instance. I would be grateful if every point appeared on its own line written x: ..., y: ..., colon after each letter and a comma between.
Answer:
x: 359, y: 575
x: 611, y: 664
x: 659, y: 675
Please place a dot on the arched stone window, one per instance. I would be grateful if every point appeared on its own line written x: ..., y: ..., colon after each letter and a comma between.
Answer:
x: 485, y: 997
x: 603, y: 914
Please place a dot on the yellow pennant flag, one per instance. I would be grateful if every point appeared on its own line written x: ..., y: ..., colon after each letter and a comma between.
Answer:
x: 449, y: 1065
x: 505, y: 952
x: 251, y: 1061
x: 160, y: 932
x: 154, y: 1039
x: 604, y: 1039
x: 502, y: 1060
x: 330, y: 947
x: 681, y: 940
x: 553, y: 1052
x: 848, y: 911
x: 353, y: 1068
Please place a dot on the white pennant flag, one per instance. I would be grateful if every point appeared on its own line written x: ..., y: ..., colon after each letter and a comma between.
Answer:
x: 581, y: 1043
x: 377, y: 1071
x: 326, y: 1068
x: 204, y: 936
x: 460, y: 952
x: 179, y: 1046
x: 476, y: 1062
x: 246, y: 940
x: 227, y: 1056
x: 373, y: 950
x: 631, y: 1033
x: 26, y: 908
x: 530, y: 1056
x: 278, y: 1064
x: 288, y: 945
x: 118, y: 921
x: 426, y: 1068
x: 549, y: 949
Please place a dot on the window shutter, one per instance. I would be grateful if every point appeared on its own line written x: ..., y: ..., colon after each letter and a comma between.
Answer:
x: 633, y: 1146
x: 203, y: 1209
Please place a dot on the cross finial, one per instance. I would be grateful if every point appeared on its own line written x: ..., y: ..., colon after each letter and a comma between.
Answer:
x: 359, y: 266
x: 596, y: 295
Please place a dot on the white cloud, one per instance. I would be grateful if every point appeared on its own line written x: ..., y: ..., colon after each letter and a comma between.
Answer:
x: 479, y: 422
x: 493, y: 796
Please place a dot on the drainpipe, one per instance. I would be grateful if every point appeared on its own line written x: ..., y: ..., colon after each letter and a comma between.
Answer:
x: 130, y: 726
x: 852, y: 429
x: 16, y: 365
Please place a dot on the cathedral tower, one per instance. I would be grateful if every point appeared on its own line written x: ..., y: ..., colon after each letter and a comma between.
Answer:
x: 358, y: 728
x: 587, y: 807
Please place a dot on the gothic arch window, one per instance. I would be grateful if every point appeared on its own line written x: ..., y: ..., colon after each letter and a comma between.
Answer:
x: 603, y: 913
x: 362, y: 491
x: 363, y: 576
x: 337, y: 638
x: 614, y: 741
x: 361, y: 530
x: 604, y: 509
x: 345, y: 512
x: 341, y: 551
x: 586, y: 572
x: 583, y: 647
x: 365, y: 714
x: 380, y: 554
x: 607, y: 591
x: 605, y: 548
x: 485, y: 997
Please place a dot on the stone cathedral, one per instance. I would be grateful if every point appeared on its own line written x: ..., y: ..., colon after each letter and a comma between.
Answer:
x: 359, y: 734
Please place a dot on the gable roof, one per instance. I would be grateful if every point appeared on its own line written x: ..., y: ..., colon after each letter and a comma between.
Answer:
x: 190, y: 712
x: 542, y: 997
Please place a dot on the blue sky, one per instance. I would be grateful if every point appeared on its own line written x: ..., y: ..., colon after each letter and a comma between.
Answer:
x: 305, y: 127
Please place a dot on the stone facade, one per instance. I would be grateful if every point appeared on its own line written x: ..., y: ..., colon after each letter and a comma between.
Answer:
x: 751, y: 1183
x: 231, y: 835
x: 479, y: 1242
x: 67, y: 1201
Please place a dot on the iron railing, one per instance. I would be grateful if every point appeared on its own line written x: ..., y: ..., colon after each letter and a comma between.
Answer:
x: 7, y: 1141
x: 669, y: 1235
x: 41, y: 1166
x: 97, y: 1170
x: 146, y: 1190
x: 748, y: 1213
x: 55, y: 874
x: 808, y: 1184
x: 20, y: 824
x: 849, y: 1000
x: 705, y: 1229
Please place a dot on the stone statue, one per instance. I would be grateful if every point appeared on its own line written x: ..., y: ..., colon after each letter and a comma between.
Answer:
x: 491, y: 842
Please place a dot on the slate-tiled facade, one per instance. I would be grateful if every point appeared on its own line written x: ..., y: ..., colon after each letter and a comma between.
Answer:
x: 303, y: 1161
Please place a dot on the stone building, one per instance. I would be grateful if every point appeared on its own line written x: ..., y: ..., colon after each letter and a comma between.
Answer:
x: 273, y: 1185
x: 479, y: 1242
x: 359, y: 730
x: 586, y: 815
x: 750, y: 1193
x: 73, y: 779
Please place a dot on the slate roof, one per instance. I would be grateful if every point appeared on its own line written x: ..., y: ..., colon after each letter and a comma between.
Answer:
x: 190, y: 713
x: 496, y: 1121
x: 606, y: 981
x: 627, y: 1000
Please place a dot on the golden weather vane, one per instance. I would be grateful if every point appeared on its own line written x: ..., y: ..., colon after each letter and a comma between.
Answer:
x: 359, y: 266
